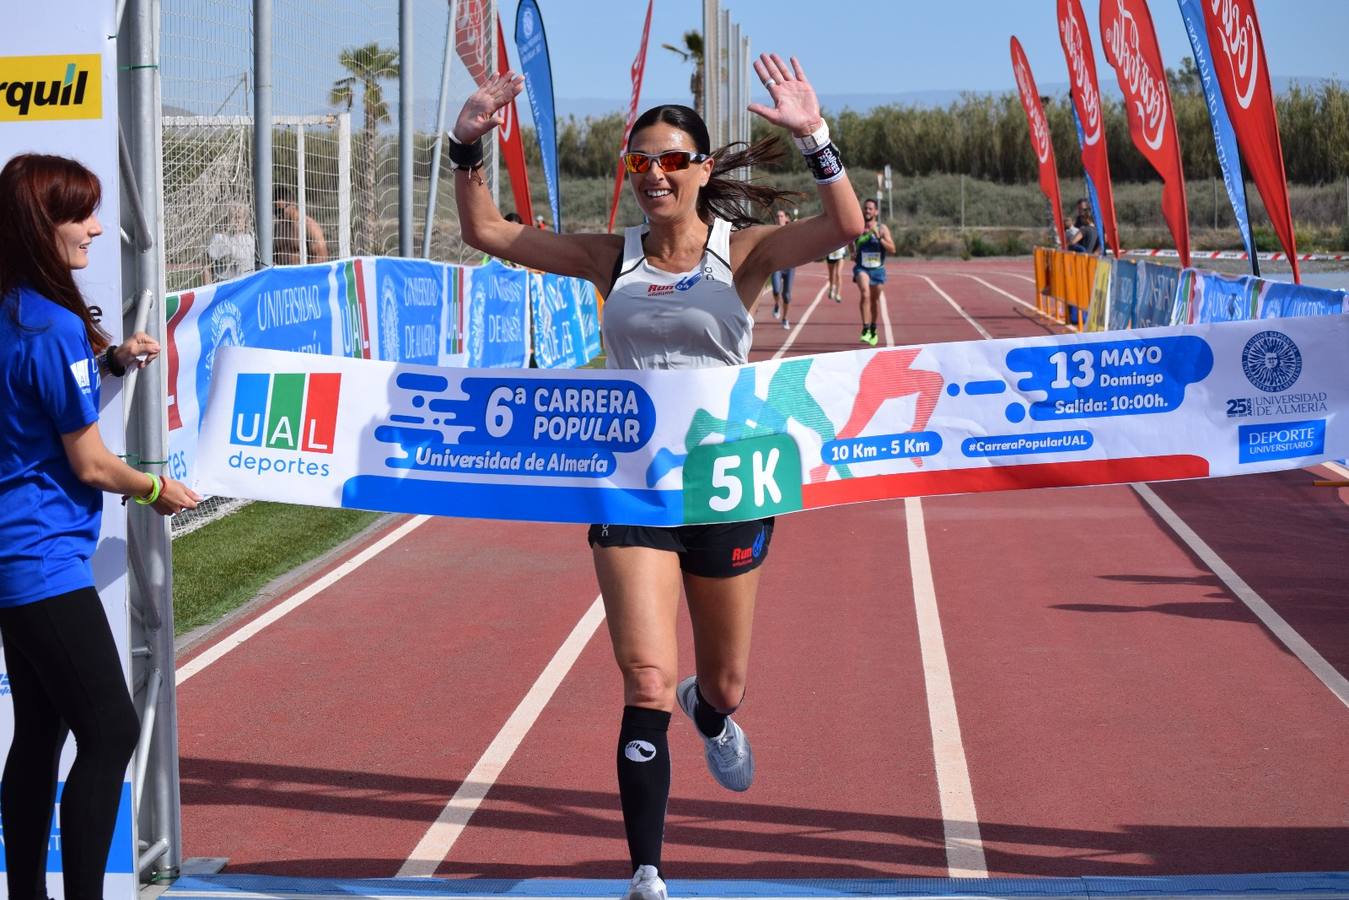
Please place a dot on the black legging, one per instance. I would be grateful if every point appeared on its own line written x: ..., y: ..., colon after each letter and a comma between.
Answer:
x: 64, y: 674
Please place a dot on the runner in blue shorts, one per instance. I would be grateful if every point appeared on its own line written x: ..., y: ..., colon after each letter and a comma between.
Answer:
x: 868, y: 269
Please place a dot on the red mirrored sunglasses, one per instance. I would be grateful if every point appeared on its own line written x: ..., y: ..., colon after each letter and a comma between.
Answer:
x: 670, y: 160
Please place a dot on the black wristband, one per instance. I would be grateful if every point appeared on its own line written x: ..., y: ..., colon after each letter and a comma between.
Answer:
x: 826, y: 164
x: 115, y: 369
x: 466, y: 156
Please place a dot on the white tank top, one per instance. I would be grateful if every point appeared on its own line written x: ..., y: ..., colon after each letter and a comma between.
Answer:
x: 676, y: 320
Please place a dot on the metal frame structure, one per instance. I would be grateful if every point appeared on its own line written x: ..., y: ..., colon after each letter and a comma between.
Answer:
x: 155, y: 788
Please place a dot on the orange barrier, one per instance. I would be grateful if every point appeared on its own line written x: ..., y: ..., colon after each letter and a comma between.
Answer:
x: 1063, y: 283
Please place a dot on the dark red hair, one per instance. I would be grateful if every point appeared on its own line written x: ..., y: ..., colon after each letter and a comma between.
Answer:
x: 38, y: 193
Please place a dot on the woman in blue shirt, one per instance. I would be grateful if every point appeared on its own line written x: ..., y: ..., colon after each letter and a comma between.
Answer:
x: 64, y: 671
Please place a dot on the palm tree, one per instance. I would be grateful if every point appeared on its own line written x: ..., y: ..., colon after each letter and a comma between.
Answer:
x: 367, y: 66
x: 692, y: 51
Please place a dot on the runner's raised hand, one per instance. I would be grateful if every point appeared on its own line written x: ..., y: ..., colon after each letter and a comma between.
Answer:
x: 482, y: 110
x: 795, y: 106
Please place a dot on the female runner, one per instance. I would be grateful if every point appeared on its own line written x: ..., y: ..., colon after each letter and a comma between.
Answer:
x: 700, y: 235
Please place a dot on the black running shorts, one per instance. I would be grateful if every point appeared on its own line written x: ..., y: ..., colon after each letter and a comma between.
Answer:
x: 712, y: 551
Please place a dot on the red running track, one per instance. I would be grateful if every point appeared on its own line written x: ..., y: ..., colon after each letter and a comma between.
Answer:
x: 1115, y: 708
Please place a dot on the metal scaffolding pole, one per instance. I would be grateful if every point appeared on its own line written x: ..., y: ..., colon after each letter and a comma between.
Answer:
x: 432, y: 189
x: 159, y: 824
x: 406, y: 132
x: 711, y: 41
x: 262, y: 127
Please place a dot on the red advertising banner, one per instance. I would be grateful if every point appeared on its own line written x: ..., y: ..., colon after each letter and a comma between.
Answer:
x: 471, y: 38
x: 512, y: 147
x: 471, y: 42
x: 638, y: 67
x: 1039, y: 135
x: 1243, y: 75
x: 1130, y: 43
x: 1086, y: 94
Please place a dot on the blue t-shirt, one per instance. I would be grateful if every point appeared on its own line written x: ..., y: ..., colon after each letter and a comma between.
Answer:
x: 49, y: 519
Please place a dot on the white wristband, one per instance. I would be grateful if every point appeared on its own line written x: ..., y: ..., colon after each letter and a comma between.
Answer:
x: 815, y: 140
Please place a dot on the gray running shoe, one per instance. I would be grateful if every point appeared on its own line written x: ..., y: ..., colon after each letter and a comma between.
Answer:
x: 729, y: 758
x: 646, y: 885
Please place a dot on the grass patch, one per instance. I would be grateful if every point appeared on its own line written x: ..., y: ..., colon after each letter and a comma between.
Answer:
x: 220, y: 567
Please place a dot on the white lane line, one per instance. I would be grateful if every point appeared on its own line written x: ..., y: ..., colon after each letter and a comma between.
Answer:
x: 956, y: 306
x: 796, y: 329
x: 885, y: 320
x: 1013, y: 297
x: 439, y: 839
x: 295, y: 601
x: 1338, y: 684
x: 960, y: 821
x: 1336, y: 469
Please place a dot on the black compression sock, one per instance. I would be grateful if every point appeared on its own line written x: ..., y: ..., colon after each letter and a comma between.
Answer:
x: 710, y: 721
x: 644, y: 781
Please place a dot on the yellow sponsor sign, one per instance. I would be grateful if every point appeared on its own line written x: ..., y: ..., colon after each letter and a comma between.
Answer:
x: 51, y: 88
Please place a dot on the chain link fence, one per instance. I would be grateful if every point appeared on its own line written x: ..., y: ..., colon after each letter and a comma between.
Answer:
x: 335, y: 97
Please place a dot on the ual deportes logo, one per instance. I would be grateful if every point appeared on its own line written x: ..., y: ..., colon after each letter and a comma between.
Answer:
x: 290, y: 413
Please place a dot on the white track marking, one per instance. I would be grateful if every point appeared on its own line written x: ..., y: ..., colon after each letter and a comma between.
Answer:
x: 956, y: 306
x: 439, y: 839
x: 1338, y: 684
x: 960, y: 821
x: 1013, y: 297
x: 1336, y: 469
x: 295, y: 601
x: 796, y: 329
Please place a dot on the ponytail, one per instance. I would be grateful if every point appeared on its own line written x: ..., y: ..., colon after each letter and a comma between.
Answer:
x: 730, y: 198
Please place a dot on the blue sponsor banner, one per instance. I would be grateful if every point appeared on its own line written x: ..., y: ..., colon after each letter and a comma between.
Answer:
x: 587, y: 301
x: 410, y: 309
x: 1222, y: 298
x: 1123, y: 295
x: 498, y: 317
x: 532, y: 46
x: 1280, y: 299
x: 282, y: 308
x: 558, y: 343
x: 566, y: 321
x: 1224, y: 138
x: 1156, y: 297
x: 1281, y: 440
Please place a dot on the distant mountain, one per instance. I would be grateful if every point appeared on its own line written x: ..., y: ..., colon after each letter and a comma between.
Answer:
x: 594, y: 107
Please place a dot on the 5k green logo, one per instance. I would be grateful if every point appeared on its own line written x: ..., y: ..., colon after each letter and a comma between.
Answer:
x: 745, y: 479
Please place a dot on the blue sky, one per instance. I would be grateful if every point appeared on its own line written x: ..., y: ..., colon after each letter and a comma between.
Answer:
x: 891, y: 46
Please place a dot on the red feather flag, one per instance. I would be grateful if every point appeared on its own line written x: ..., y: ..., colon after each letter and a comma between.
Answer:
x: 1243, y: 75
x: 1039, y: 135
x: 1130, y: 43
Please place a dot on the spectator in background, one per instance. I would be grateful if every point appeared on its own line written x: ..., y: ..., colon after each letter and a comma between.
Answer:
x: 286, y: 230
x: 781, y: 281
x: 1073, y: 236
x: 1085, y: 222
x: 540, y: 223
x: 233, y: 251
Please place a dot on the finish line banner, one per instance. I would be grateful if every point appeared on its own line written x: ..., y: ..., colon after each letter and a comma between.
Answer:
x: 727, y: 444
